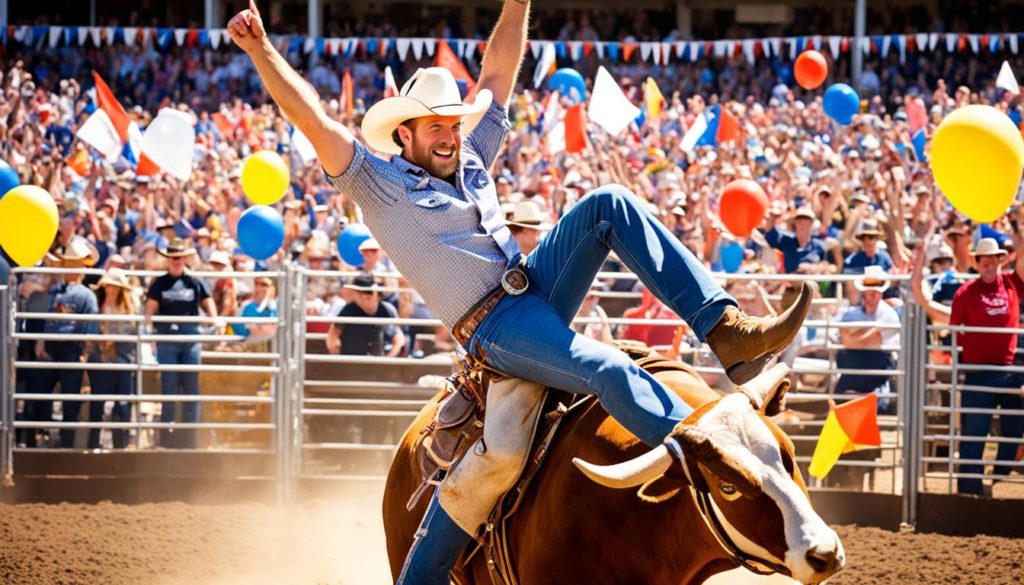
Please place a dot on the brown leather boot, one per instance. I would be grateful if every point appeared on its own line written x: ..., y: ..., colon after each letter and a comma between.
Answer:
x: 745, y: 344
x: 690, y: 445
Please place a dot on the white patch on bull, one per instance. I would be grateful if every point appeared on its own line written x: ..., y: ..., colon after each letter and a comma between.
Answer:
x: 737, y: 428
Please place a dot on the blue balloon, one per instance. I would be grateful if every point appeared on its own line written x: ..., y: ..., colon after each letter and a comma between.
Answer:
x: 260, y: 232
x: 732, y: 256
x: 349, y: 240
x: 569, y: 83
x: 841, y: 103
x: 8, y: 178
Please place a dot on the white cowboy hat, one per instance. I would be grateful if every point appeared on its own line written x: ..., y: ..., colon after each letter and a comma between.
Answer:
x: 874, y: 279
x: 528, y: 215
x: 115, y: 277
x: 429, y: 92
x: 988, y: 247
x: 78, y: 250
x: 369, y: 244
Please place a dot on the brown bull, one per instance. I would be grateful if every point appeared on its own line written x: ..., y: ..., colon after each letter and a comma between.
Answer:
x: 571, y: 530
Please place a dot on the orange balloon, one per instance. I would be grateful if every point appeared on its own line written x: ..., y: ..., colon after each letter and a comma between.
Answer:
x: 810, y: 69
x: 743, y: 206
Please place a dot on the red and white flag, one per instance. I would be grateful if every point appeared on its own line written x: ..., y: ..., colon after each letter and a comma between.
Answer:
x: 390, y: 87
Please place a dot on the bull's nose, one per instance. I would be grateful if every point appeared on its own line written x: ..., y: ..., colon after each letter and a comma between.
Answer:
x: 824, y: 560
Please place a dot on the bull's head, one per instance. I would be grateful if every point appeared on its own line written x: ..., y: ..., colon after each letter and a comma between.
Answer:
x: 775, y: 525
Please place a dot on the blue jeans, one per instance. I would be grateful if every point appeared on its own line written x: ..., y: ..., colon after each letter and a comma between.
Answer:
x: 45, y: 380
x: 110, y: 382
x: 977, y: 425
x: 528, y: 336
x: 170, y: 383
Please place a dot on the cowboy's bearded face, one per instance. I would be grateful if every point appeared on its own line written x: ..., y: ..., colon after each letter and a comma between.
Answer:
x: 434, y: 143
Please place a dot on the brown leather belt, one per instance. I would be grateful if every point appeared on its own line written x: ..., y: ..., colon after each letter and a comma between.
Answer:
x: 513, y: 282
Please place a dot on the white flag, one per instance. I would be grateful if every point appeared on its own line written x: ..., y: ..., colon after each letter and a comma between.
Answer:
x: 547, y: 59
x: 1007, y: 80
x: 303, y: 147
x: 609, y: 107
x: 556, y: 139
x: 99, y: 132
x: 689, y: 142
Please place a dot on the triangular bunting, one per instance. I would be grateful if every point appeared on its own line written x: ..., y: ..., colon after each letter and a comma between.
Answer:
x: 402, y: 46
x: 179, y: 36
x: 833, y: 46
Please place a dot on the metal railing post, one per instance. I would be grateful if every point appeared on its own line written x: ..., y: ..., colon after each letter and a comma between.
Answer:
x: 281, y: 390
x: 914, y: 355
x: 7, y: 383
x: 298, y: 338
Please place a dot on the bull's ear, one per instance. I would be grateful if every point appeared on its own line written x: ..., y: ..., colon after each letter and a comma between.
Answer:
x: 768, y: 390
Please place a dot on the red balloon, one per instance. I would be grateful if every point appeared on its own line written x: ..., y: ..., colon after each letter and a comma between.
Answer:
x: 743, y: 206
x: 810, y: 69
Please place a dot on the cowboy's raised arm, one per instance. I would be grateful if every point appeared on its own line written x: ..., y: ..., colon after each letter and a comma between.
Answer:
x: 504, y: 54
x: 297, y: 99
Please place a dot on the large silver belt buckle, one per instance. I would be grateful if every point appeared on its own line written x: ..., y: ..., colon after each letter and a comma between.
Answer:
x: 514, y: 281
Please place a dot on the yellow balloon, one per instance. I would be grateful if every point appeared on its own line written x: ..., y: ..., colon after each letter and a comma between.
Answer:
x: 28, y: 223
x: 265, y: 177
x: 977, y: 159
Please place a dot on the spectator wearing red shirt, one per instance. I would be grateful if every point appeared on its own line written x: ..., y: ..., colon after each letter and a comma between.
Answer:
x: 989, y: 301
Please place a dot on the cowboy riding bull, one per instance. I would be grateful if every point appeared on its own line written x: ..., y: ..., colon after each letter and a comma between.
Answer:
x: 567, y: 529
x: 422, y: 183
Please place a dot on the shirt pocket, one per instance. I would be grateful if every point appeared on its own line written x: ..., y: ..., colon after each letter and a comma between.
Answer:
x: 429, y: 202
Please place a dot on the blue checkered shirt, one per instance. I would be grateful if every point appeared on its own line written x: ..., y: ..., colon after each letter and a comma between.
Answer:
x: 451, y: 243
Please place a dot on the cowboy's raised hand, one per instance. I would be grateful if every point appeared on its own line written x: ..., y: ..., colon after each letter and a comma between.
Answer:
x: 246, y: 28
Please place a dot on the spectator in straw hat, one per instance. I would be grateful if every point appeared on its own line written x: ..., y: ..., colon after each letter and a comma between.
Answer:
x: 527, y: 225
x: 71, y: 296
x: 992, y: 300
x: 114, y: 293
x: 863, y: 346
x: 177, y: 293
x: 801, y: 250
x: 869, y: 254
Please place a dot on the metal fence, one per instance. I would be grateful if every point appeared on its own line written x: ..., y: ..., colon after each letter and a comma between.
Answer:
x: 339, y: 417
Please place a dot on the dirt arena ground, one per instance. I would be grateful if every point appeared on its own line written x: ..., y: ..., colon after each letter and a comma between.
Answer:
x: 336, y: 543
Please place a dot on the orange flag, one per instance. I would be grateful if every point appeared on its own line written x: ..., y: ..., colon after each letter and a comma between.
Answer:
x: 447, y: 58
x: 109, y: 104
x: 575, y: 129
x: 728, y: 126
x: 849, y: 427
x: 347, y: 94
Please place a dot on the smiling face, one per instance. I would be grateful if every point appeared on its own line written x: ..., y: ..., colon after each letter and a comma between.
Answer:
x: 434, y: 143
x: 988, y: 267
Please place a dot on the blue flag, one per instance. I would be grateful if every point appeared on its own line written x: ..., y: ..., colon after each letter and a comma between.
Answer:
x: 919, y: 139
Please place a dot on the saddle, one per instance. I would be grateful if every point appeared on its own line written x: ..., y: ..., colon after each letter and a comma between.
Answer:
x: 457, y: 421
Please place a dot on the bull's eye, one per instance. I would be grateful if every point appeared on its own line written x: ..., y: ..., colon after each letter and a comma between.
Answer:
x: 728, y: 490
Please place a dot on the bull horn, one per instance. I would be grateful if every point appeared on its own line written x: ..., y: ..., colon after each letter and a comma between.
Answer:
x: 764, y: 388
x: 630, y: 473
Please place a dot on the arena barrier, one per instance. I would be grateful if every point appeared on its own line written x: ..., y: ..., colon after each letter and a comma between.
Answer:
x: 338, y: 417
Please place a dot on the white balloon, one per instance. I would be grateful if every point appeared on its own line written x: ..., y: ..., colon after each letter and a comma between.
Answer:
x: 170, y: 142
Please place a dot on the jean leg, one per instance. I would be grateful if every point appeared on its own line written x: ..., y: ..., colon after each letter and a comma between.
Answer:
x: 1011, y: 426
x: 550, y: 353
x: 612, y: 218
x: 974, y: 425
x: 190, y: 410
x: 39, y: 382
x: 70, y: 383
x: 168, y: 354
x: 435, y: 548
x: 124, y: 384
x: 101, y: 382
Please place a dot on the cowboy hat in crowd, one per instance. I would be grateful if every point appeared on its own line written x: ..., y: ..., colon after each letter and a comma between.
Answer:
x: 875, y: 278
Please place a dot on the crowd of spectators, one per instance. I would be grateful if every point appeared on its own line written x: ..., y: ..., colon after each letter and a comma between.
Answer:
x: 853, y: 200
